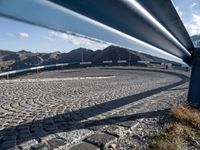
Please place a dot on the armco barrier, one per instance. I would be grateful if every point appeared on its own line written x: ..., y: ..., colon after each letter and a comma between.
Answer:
x: 143, y: 62
x: 107, y: 62
x: 132, y: 26
x: 86, y: 63
x: 31, y: 69
x: 155, y: 62
x: 121, y: 61
x: 76, y: 64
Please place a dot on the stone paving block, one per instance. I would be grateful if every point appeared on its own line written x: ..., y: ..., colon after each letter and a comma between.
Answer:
x: 55, y: 143
x: 116, y: 130
x: 46, y: 138
x: 28, y: 109
x: 129, y: 124
x: 101, y: 140
x: 84, y: 146
x: 97, y: 127
x: 74, y: 136
x: 28, y: 144
x: 41, y: 146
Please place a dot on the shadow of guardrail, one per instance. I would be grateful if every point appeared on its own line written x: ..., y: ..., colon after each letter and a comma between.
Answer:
x: 70, y: 121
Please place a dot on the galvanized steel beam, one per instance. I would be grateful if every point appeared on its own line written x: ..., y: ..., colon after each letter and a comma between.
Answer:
x: 122, y: 22
x: 155, y: 22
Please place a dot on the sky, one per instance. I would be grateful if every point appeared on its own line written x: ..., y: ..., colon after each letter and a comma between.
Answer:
x: 189, y: 12
x: 15, y: 35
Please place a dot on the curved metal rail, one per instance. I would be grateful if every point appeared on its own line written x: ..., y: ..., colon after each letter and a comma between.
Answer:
x: 152, y: 27
x: 154, y: 22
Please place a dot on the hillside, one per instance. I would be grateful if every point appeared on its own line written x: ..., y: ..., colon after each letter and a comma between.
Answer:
x: 25, y: 59
x: 4, y: 53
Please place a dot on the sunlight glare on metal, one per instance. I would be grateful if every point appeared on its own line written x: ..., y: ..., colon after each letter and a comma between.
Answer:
x: 148, y: 16
x: 56, y: 17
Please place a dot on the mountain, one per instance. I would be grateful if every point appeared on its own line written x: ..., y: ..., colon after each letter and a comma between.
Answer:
x: 196, y: 40
x: 24, y: 59
x: 4, y: 53
x: 77, y: 55
x: 31, y: 61
x: 51, y: 57
x: 117, y: 53
x: 18, y: 56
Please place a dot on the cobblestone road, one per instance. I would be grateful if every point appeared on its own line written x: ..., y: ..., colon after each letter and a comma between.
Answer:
x: 66, y: 112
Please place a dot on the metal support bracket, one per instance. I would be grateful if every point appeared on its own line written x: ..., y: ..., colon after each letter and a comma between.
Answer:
x: 194, y: 88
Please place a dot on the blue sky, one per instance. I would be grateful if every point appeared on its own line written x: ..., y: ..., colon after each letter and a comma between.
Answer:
x: 189, y: 11
x: 16, y: 35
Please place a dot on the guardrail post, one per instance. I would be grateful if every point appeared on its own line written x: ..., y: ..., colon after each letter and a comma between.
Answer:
x: 194, y: 93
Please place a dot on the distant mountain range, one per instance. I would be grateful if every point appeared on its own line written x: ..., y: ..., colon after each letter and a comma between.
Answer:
x: 196, y: 40
x: 10, y: 60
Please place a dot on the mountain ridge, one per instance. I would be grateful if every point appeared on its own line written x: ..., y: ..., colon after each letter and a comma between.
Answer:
x: 26, y: 59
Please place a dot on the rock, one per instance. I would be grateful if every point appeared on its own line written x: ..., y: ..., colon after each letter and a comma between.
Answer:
x: 101, y: 140
x: 129, y: 124
x: 116, y: 130
x: 72, y: 137
x: 56, y: 143
x: 84, y: 146
x: 113, y: 146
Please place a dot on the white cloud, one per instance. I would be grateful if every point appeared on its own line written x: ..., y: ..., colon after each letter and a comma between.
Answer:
x: 75, y: 40
x: 194, y: 26
x: 20, y: 35
x: 23, y: 35
x: 194, y: 4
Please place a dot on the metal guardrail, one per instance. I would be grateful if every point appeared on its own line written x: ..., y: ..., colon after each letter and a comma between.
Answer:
x: 107, y: 62
x: 132, y: 26
x: 31, y: 69
x: 152, y: 27
x: 121, y: 61
x: 89, y: 63
x: 149, y: 17
x: 86, y: 63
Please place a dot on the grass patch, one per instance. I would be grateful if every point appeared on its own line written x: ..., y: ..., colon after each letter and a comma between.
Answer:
x: 181, y: 134
x: 186, y: 115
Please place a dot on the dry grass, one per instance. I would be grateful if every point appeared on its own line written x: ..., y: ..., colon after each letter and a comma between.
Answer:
x: 176, y: 137
x: 166, y: 141
x: 186, y: 114
x: 183, y: 133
